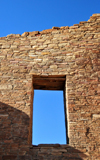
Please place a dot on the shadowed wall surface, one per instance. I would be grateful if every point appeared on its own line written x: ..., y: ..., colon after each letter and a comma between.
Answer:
x: 70, y: 52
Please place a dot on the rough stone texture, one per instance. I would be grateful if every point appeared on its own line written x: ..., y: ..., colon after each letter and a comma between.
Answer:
x: 72, y: 52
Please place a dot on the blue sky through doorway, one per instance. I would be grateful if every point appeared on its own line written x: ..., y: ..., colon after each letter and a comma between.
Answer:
x: 48, y: 118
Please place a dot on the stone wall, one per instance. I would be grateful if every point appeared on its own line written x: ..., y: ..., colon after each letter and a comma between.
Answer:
x: 72, y: 52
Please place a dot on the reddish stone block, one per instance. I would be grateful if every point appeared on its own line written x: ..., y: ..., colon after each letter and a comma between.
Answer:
x: 25, y: 157
x: 9, y: 157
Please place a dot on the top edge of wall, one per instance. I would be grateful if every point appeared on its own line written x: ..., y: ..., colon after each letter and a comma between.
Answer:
x: 92, y: 19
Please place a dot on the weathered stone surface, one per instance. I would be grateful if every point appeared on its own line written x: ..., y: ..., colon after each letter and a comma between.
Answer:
x: 96, y: 115
x: 25, y: 34
x: 45, y: 53
x: 46, y: 31
x: 5, y: 46
x: 33, y: 33
x: 55, y: 28
x: 53, y: 66
x: 6, y: 86
x: 13, y: 35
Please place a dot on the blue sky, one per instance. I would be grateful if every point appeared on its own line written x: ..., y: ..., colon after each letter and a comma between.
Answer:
x: 48, y: 117
x: 19, y: 16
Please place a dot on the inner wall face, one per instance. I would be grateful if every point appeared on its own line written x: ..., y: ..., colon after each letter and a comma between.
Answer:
x: 48, y: 117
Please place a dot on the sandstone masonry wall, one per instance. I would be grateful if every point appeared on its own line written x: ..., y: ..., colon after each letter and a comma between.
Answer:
x: 73, y: 52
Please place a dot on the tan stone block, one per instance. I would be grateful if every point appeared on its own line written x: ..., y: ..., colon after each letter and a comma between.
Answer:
x: 1, y: 38
x: 13, y: 46
x: 73, y: 27
x: 43, y: 46
x: 67, y: 27
x: 45, y: 53
x: 33, y: 42
x: 41, y: 40
x: 11, y: 35
x: 37, y: 60
x: 47, y: 42
x: 2, y: 56
x: 53, y: 66
x: 46, y: 31
x: 96, y: 15
x: 6, y: 86
x: 0, y: 74
x: 25, y: 34
x: 34, y: 47
x: 33, y: 33
x: 62, y: 44
x: 62, y: 27
x: 5, y: 46
x: 56, y: 31
x: 55, y: 28
x: 51, y: 45
x: 96, y: 115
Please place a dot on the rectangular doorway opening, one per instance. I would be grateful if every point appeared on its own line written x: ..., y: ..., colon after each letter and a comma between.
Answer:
x: 49, y: 125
